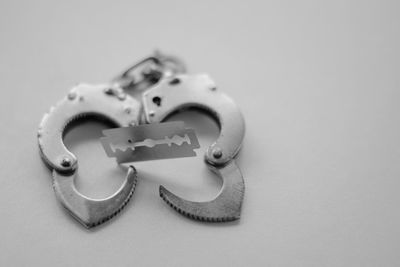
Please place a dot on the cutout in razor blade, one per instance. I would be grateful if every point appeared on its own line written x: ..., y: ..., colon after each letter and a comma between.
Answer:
x: 130, y: 143
x: 150, y: 142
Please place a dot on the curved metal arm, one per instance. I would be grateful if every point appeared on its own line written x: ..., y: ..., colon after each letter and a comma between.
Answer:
x: 102, y: 102
x: 225, y: 207
x: 92, y: 212
x: 199, y: 91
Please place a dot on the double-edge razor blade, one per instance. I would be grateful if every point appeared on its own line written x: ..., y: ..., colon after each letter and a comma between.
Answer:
x: 150, y: 142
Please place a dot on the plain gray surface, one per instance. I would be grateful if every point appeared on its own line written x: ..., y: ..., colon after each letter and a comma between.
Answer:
x: 317, y: 81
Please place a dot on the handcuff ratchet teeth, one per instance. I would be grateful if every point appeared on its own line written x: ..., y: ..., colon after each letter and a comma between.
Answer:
x: 102, y: 102
x: 199, y: 91
x: 167, y: 91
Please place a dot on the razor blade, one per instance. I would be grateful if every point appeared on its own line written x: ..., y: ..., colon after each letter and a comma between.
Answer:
x: 150, y: 142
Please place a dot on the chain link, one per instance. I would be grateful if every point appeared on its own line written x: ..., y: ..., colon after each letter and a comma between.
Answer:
x: 149, y: 71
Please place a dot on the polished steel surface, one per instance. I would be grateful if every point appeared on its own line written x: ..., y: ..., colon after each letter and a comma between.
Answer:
x: 180, y: 92
x: 149, y: 71
x: 199, y: 91
x: 92, y: 212
x: 100, y: 102
x: 225, y: 207
x: 150, y: 142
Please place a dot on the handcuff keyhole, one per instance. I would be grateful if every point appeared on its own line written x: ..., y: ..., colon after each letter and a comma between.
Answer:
x: 174, y: 81
x: 157, y: 100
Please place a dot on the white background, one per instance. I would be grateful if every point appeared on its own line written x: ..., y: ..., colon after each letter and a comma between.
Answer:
x: 317, y: 81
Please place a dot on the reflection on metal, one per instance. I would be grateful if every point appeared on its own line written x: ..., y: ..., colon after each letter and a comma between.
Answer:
x: 167, y: 91
x: 199, y: 91
x: 150, y: 142
x: 149, y: 71
x: 82, y: 101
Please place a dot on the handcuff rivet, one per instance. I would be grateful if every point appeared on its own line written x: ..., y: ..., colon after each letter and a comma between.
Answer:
x: 66, y: 162
x: 217, y: 153
x: 121, y: 96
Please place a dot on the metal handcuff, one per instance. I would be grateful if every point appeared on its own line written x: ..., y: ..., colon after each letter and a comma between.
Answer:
x: 167, y: 90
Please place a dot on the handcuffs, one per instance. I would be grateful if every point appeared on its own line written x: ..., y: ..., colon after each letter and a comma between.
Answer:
x: 167, y: 90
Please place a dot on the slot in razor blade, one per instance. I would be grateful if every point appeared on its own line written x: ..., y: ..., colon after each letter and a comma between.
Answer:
x: 150, y: 142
